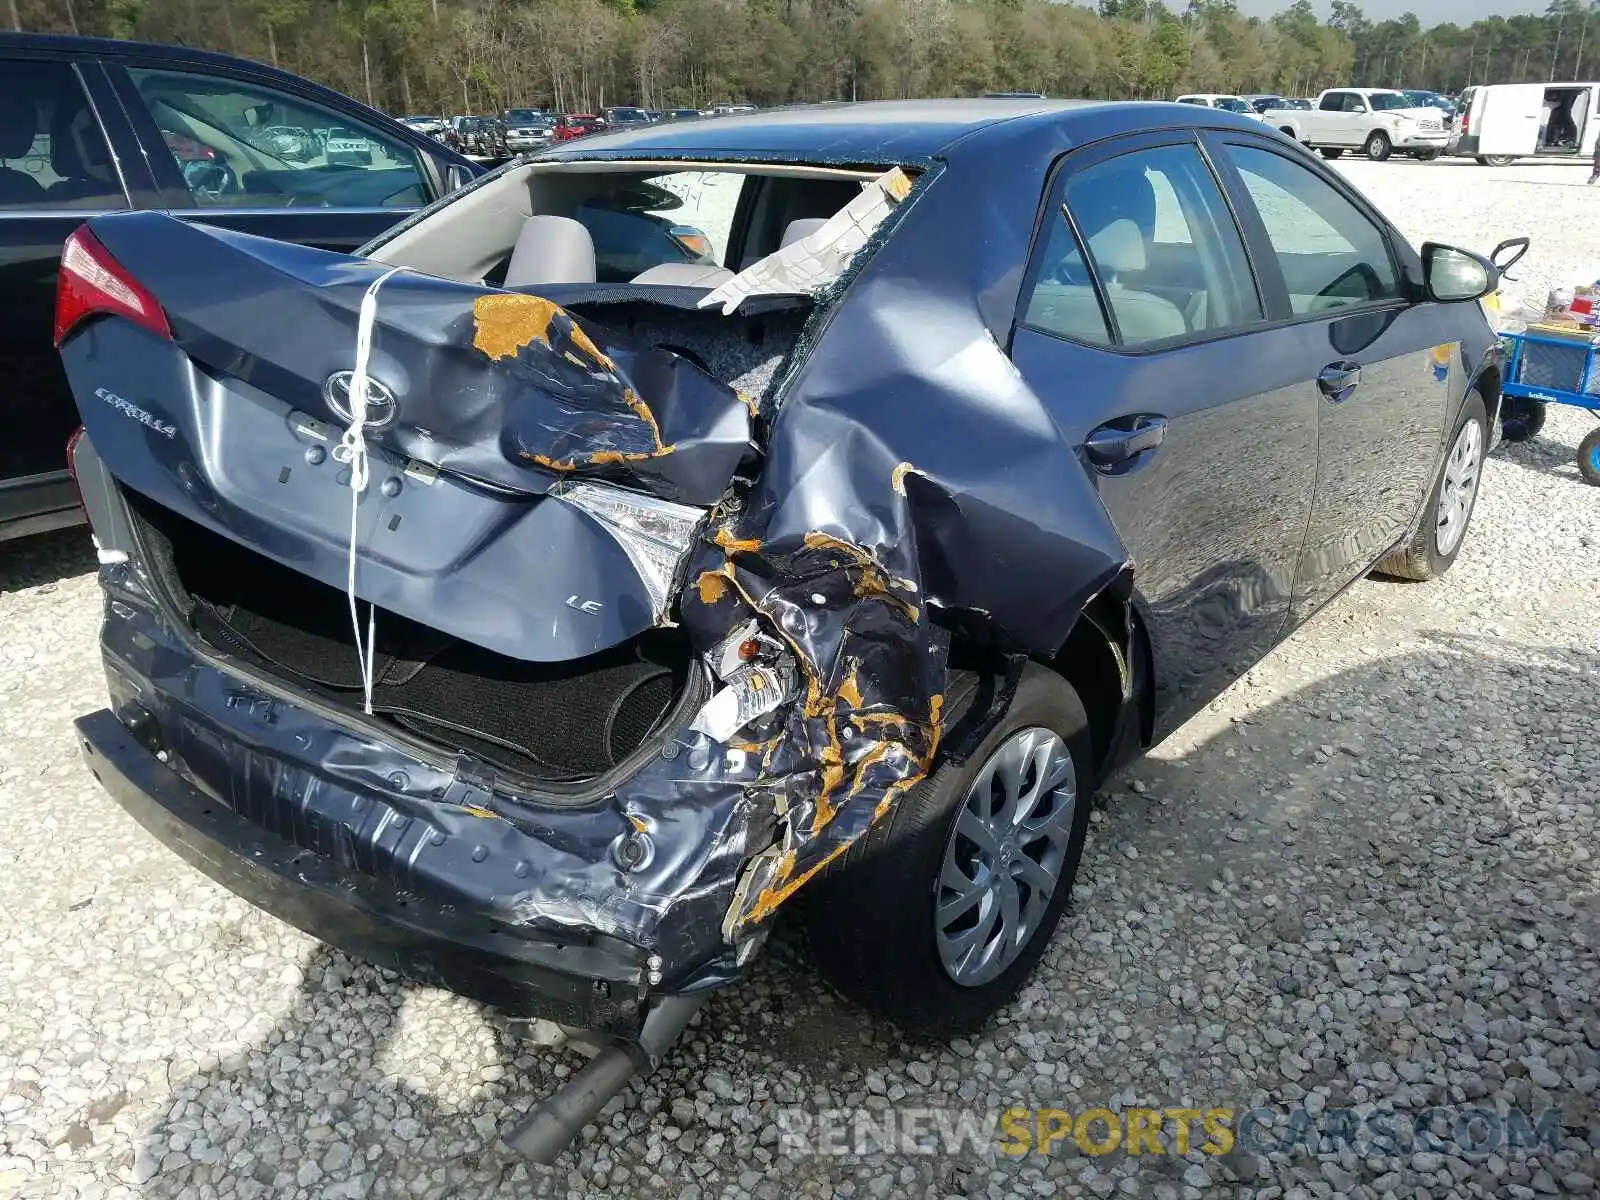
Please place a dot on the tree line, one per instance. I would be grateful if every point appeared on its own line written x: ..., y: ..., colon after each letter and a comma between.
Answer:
x: 413, y: 56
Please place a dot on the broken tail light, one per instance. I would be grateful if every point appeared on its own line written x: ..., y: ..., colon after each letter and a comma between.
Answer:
x: 92, y: 282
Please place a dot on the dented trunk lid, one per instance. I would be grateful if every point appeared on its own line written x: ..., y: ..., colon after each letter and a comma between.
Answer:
x: 491, y: 413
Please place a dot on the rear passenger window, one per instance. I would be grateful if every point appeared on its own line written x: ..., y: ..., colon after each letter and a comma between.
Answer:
x: 53, y: 153
x: 1331, y: 253
x: 1162, y: 246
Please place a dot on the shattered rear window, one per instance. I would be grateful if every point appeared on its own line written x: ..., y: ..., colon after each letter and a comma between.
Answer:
x: 675, y: 217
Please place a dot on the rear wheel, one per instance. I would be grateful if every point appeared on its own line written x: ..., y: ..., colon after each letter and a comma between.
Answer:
x: 1443, y: 528
x: 1520, y: 418
x: 940, y: 913
x: 1378, y: 146
x: 1497, y: 160
x: 1589, y: 457
x: 1330, y: 152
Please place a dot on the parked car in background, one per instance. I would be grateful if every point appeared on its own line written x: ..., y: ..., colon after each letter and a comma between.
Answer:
x: 689, y: 613
x: 99, y: 126
x: 1420, y: 98
x: 1261, y: 102
x: 1502, y: 122
x: 1299, y: 104
x: 432, y: 126
x: 1234, y: 104
x: 348, y: 148
x: 576, y: 125
x: 478, y: 137
x: 683, y: 114
x: 526, y: 129
x: 1377, y: 121
x: 622, y: 118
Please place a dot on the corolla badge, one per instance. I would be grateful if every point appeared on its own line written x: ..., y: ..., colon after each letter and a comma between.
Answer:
x: 381, y: 406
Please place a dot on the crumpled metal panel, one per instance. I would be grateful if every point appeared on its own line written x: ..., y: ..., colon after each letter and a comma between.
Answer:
x: 498, y: 386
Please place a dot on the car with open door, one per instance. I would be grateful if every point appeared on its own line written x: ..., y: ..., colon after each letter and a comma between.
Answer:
x: 90, y: 126
x: 538, y: 616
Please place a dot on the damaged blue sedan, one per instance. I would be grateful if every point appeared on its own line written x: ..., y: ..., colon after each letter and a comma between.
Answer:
x: 811, y: 506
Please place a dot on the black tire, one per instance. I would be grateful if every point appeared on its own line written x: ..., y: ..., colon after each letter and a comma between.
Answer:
x: 1589, y: 458
x: 1377, y: 147
x: 870, y: 918
x: 1521, y: 419
x: 1330, y: 152
x: 1498, y: 160
x: 1420, y: 559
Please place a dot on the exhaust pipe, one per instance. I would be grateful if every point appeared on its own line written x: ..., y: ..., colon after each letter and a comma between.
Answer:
x: 553, y: 1124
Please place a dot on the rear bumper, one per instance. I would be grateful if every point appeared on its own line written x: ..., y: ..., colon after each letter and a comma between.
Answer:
x: 370, y: 918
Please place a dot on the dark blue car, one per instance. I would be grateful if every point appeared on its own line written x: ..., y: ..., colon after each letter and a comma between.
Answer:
x: 978, y: 445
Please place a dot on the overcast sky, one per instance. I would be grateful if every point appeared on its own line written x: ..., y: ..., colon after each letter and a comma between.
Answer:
x: 1429, y: 12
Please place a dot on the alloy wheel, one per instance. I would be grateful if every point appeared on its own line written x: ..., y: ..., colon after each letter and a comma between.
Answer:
x: 1005, y: 855
x: 1459, y: 489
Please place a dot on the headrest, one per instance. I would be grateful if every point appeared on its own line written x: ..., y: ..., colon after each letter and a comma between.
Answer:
x: 1118, y: 247
x: 16, y: 126
x: 802, y: 228
x: 551, y: 250
x: 77, y: 149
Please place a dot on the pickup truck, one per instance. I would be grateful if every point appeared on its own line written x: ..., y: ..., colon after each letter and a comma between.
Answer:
x: 1377, y: 121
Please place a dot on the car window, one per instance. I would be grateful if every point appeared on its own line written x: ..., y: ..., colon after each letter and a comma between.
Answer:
x: 1162, y: 245
x: 241, y: 145
x: 53, y: 153
x: 641, y: 221
x: 1387, y: 101
x: 1331, y: 253
x: 1332, y: 102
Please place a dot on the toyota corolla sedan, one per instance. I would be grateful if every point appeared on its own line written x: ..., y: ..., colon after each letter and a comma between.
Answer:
x: 538, y: 617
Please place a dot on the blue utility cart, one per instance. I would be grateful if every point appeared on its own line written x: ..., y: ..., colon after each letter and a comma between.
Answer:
x: 1547, y: 366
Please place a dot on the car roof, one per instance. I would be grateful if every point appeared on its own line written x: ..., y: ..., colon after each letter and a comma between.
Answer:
x: 886, y: 131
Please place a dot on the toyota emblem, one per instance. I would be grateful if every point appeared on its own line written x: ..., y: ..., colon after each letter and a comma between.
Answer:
x: 381, y: 406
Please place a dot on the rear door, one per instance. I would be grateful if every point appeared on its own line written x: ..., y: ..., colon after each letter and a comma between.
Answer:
x: 1383, y: 369
x: 1509, y: 121
x: 1328, y: 122
x: 257, y: 156
x: 56, y: 170
x: 1205, y: 467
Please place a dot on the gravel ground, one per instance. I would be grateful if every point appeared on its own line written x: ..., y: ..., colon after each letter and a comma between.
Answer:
x: 1365, y: 878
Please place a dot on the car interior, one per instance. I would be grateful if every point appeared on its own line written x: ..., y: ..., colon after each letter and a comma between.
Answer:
x: 1169, y: 259
x: 248, y: 172
x: 606, y: 223
x: 52, y: 153
x: 1566, y: 111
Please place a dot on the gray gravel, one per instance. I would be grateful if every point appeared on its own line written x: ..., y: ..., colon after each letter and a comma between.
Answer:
x: 1366, y: 877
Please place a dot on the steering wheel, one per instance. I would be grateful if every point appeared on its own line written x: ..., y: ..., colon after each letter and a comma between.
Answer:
x: 210, y: 178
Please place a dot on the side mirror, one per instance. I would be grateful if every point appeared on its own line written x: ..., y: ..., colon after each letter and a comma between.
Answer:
x: 456, y: 177
x: 1508, y: 254
x: 1451, y: 275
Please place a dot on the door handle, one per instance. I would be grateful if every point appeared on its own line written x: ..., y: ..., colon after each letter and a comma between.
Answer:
x: 1112, y: 445
x: 1338, y: 380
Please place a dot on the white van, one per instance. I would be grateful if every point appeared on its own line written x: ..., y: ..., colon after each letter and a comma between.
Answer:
x: 1501, y: 122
